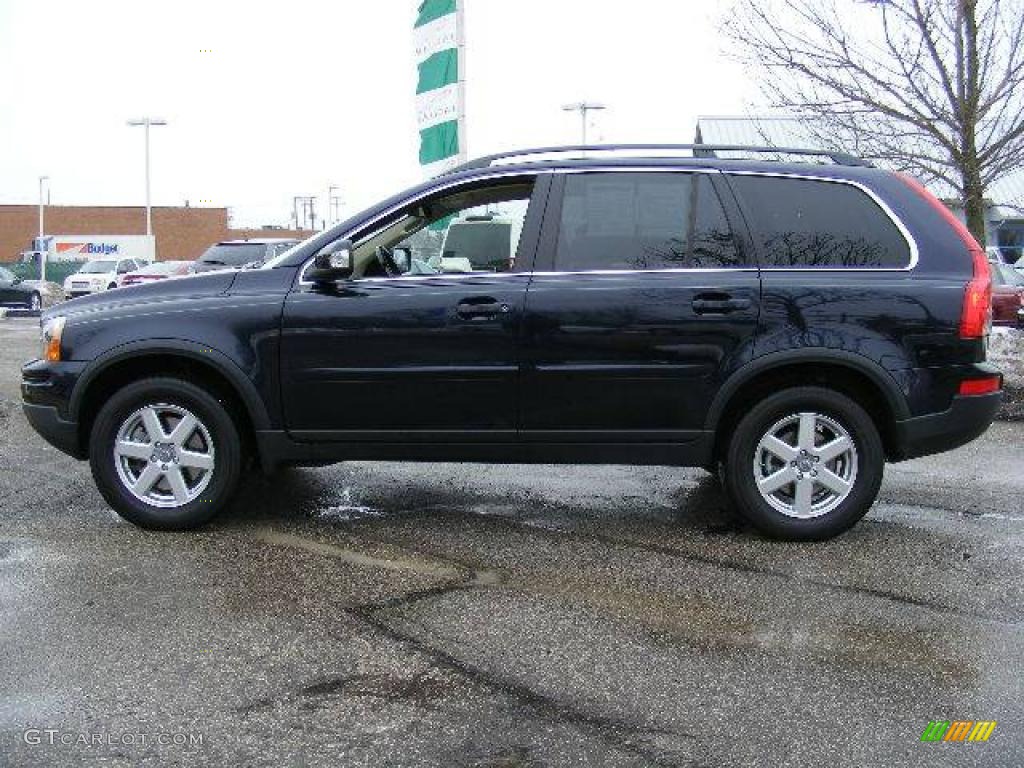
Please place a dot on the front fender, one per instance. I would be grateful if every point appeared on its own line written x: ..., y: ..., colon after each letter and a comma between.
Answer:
x: 192, y: 350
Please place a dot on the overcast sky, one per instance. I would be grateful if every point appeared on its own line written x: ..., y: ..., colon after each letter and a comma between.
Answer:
x: 270, y: 100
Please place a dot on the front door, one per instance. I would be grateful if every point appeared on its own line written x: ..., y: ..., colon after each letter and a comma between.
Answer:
x: 643, y: 299
x: 421, y: 345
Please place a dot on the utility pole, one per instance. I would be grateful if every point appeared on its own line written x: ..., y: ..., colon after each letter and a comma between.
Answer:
x: 146, y: 122
x: 333, y: 201
x: 42, y: 250
x: 583, y: 107
x: 308, y: 203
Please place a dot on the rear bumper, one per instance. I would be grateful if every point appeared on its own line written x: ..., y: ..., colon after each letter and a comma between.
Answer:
x: 62, y: 435
x: 966, y: 419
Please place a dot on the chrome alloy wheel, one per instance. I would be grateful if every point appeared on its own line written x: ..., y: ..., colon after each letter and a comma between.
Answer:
x: 805, y: 465
x: 35, y: 303
x: 164, y: 455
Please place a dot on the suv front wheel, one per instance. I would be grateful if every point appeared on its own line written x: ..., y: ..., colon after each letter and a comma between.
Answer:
x: 804, y: 464
x: 165, y: 454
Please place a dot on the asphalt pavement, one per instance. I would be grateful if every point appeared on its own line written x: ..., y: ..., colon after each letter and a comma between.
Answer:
x: 383, y: 614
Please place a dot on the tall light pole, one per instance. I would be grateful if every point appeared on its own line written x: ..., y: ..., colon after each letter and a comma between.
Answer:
x: 146, y: 122
x: 42, y: 251
x: 583, y: 107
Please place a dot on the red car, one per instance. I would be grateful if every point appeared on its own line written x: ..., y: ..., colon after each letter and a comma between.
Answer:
x: 1007, y: 295
x: 160, y: 270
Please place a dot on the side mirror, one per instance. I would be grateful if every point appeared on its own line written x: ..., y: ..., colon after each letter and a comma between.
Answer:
x: 332, y: 263
x: 403, y: 258
x: 16, y: 280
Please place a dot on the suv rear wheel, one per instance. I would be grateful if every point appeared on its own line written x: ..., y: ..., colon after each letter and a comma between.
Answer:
x: 165, y: 454
x: 804, y: 464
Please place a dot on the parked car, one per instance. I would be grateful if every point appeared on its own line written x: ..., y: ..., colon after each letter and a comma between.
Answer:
x: 15, y: 292
x: 99, y: 275
x: 1007, y: 295
x: 160, y: 270
x: 791, y: 325
x: 235, y: 254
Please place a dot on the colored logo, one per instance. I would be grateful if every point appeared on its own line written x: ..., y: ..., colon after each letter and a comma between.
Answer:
x: 104, y: 249
x: 958, y: 730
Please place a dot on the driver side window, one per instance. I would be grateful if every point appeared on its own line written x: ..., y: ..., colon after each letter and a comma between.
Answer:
x: 474, y: 230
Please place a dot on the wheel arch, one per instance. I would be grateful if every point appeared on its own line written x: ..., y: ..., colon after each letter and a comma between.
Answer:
x: 854, y: 375
x: 187, y: 360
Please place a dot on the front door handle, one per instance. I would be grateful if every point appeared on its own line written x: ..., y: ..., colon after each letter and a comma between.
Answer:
x: 483, y: 308
x: 718, y: 304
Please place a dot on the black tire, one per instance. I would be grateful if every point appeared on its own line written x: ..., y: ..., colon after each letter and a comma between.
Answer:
x: 741, y: 483
x: 214, y: 416
x: 112, y: 286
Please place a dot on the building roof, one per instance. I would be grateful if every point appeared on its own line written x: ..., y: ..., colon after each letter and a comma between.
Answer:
x: 791, y: 131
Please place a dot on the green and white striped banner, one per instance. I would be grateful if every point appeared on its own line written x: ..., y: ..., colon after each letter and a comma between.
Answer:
x: 440, y: 99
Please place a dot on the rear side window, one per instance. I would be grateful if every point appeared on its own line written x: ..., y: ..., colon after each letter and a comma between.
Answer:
x: 643, y: 221
x: 807, y: 223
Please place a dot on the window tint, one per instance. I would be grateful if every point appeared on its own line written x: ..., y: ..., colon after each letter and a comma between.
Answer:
x: 643, y: 221
x: 6, y: 276
x: 804, y: 223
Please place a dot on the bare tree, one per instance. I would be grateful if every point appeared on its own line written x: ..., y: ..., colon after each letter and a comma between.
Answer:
x: 933, y: 87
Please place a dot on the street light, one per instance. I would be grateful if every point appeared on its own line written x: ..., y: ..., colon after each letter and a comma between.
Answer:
x: 583, y: 107
x: 39, y: 244
x: 146, y: 122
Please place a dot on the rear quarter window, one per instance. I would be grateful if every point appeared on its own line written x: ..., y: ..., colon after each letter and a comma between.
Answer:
x: 809, y: 223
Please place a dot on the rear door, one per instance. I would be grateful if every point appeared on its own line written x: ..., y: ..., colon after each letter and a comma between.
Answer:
x: 643, y: 300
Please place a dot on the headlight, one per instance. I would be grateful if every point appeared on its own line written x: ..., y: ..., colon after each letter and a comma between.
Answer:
x: 53, y: 329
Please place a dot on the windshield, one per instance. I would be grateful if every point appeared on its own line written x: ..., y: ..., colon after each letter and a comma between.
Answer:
x: 234, y: 254
x: 162, y: 268
x: 96, y: 267
x: 1004, y: 274
x: 282, y: 255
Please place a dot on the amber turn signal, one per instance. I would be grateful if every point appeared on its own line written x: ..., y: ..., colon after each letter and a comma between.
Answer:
x: 53, y: 329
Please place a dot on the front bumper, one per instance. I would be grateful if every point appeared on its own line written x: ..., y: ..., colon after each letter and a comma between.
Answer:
x: 46, y: 392
x: 62, y: 435
x: 79, y: 292
x: 967, y: 418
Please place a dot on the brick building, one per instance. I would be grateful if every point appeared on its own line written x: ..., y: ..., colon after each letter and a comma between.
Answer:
x: 181, y: 233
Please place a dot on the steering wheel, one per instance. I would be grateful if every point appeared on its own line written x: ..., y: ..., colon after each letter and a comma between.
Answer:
x: 386, y: 258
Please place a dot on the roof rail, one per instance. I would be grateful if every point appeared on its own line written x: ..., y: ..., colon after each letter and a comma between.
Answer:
x: 696, y: 150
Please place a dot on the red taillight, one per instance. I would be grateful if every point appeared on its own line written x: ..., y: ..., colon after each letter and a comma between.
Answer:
x: 976, y: 315
x: 984, y: 386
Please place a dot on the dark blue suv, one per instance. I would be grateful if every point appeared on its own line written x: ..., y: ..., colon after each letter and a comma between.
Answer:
x: 790, y: 319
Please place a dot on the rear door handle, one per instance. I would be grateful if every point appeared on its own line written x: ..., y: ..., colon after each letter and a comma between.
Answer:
x: 719, y: 305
